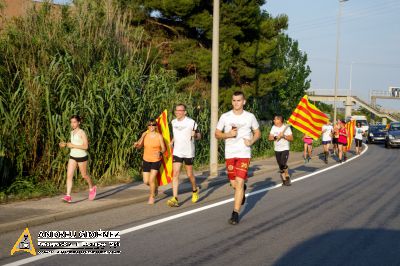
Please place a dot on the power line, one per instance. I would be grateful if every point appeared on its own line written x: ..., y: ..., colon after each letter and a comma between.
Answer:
x: 351, y: 17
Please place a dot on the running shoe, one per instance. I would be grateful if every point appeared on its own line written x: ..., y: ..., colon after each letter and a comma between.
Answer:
x: 151, y: 201
x: 234, y: 218
x: 195, y: 195
x: 309, y: 159
x: 305, y: 160
x: 67, y: 198
x: 156, y: 192
x: 288, y: 181
x: 173, y: 202
x: 92, y: 193
x: 244, y: 194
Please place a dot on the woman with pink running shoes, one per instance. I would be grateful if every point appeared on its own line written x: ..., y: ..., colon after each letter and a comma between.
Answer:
x: 78, y: 158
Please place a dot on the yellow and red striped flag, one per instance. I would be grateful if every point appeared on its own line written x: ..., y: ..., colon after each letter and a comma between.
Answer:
x: 350, y: 126
x: 164, y: 176
x: 308, y: 119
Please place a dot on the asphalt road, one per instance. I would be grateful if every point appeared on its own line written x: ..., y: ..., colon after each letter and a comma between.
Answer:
x: 348, y: 215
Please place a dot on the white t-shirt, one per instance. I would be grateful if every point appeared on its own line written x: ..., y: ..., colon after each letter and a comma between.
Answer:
x: 183, y: 140
x: 246, y: 122
x: 358, y: 131
x: 282, y: 144
x: 326, y: 136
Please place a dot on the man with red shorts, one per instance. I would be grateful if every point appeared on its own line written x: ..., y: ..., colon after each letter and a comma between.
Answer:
x: 240, y: 130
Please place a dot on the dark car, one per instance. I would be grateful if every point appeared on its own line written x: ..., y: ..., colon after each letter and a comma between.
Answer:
x: 376, y: 133
x: 393, y: 135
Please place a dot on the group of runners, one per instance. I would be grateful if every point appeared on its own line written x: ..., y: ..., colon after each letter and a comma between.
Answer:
x: 336, y: 135
x: 238, y: 128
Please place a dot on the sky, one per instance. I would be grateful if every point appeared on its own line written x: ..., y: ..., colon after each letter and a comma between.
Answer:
x: 369, y: 37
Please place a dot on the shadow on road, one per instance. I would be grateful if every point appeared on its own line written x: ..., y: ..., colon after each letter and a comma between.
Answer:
x: 347, y: 247
x: 115, y: 190
x: 252, y: 201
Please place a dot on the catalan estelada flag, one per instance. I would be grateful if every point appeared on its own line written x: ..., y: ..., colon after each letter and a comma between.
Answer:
x: 308, y: 118
x: 164, y: 176
x: 350, y: 127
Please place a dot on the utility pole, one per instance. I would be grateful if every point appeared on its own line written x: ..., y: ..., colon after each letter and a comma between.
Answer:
x: 337, y: 60
x: 214, y: 91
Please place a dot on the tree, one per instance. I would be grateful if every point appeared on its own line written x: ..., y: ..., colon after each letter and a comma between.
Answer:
x: 290, y: 64
x: 183, y: 31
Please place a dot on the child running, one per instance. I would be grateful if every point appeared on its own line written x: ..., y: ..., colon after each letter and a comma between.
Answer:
x: 78, y: 158
x: 154, y: 147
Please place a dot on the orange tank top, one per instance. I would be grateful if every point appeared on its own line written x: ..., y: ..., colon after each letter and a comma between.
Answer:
x: 152, y: 148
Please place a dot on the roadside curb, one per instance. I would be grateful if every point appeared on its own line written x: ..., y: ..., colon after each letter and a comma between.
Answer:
x: 34, y: 221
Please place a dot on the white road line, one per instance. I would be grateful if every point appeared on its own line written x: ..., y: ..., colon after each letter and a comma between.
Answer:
x: 186, y: 213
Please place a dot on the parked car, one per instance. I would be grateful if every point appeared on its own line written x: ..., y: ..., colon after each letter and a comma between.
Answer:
x: 377, y: 133
x: 393, y: 135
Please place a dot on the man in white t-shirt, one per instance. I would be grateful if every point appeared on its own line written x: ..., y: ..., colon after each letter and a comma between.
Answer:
x: 282, y: 136
x: 185, y: 132
x: 240, y: 130
x: 358, y: 137
x: 327, y: 131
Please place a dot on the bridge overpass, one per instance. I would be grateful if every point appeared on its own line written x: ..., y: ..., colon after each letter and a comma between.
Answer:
x: 350, y: 100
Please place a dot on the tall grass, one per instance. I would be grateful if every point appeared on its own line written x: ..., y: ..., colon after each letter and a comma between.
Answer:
x: 85, y: 61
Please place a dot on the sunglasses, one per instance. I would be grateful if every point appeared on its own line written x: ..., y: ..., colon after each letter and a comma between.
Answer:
x: 152, y: 125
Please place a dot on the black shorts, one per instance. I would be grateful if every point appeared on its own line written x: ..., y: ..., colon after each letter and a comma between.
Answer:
x: 188, y: 161
x: 335, y: 140
x: 282, y: 158
x: 358, y: 142
x: 79, y: 159
x: 148, y: 166
x: 343, y: 144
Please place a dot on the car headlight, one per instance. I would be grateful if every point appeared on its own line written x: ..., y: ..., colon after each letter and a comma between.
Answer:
x: 371, y: 135
x: 391, y: 137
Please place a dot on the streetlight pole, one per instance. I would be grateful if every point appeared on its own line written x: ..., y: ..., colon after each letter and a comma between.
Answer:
x: 351, y: 77
x: 337, y: 60
x: 214, y: 91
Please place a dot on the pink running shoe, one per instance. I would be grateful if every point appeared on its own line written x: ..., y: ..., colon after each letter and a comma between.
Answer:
x: 92, y: 193
x: 67, y: 198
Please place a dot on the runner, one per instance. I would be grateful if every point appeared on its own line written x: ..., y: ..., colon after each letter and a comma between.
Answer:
x: 358, y: 138
x: 78, y: 157
x: 308, y: 141
x: 240, y: 130
x: 185, y: 132
x: 335, y: 140
x: 282, y: 135
x: 154, y: 147
x: 327, y: 131
x: 342, y: 141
